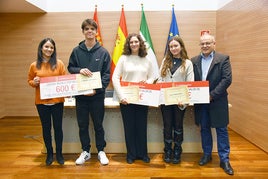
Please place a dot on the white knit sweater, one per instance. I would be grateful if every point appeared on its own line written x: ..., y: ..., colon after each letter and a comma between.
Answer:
x: 131, y: 68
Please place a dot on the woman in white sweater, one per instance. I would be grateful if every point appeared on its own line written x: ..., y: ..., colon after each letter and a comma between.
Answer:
x: 175, y: 67
x: 133, y: 66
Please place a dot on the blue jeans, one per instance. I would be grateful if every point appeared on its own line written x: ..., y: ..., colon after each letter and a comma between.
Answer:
x: 206, y: 137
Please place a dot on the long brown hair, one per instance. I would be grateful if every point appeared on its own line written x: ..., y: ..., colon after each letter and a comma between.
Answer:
x: 169, y: 57
x: 53, y: 58
x: 127, y: 49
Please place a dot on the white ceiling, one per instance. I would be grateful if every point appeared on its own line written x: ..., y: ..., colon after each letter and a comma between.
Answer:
x: 23, y: 6
x: 16, y: 6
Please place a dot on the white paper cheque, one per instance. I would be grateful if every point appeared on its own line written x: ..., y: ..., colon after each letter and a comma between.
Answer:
x: 148, y: 93
x: 176, y: 95
x: 69, y: 85
x: 131, y: 93
x: 198, y: 92
x: 154, y: 94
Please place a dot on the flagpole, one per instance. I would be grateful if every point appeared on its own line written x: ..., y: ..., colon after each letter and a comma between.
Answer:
x: 145, y: 34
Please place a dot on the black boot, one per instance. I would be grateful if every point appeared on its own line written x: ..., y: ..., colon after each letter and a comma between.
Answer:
x: 59, y: 157
x: 49, y: 158
x: 177, y: 154
x: 168, y: 151
x: 178, y: 138
x: 168, y: 156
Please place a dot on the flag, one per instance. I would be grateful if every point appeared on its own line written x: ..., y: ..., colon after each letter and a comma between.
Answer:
x: 98, y: 35
x: 145, y: 34
x: 119, y: 41
x: 173, y: 30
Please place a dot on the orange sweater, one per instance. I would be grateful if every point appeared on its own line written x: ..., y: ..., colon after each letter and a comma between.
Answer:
x: 45, y: 71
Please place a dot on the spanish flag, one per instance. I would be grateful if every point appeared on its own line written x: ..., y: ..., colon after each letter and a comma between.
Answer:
x: 119, y: 40
x: 98, y: 35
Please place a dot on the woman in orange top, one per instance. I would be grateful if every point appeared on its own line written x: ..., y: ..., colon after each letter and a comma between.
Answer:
x: 48, y: 109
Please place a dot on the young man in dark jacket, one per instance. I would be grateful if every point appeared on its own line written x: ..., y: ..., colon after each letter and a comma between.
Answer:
x: 89, y: 56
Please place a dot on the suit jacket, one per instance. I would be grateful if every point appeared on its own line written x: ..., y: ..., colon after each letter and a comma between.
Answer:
x: 220, y: 78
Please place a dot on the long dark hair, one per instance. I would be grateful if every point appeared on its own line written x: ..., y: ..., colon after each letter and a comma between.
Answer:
x: 169, y: 57
x: 53, y: 58
x: 127, y: 49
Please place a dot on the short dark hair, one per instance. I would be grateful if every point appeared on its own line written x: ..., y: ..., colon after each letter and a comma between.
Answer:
x: 87, y: 22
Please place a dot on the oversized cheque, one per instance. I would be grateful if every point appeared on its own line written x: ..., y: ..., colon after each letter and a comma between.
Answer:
x: 148, y: 93
x: 69, y: 85
x: 198, y: 91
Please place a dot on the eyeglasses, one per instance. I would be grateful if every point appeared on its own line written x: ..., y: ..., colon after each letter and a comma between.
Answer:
x: 206, y: 43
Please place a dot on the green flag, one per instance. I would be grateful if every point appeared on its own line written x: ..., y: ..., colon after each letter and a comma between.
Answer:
x: 145, y: 34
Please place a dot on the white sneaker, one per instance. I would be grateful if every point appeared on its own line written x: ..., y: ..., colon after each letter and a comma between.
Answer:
x: 84, y: 156
x: 102, y: 158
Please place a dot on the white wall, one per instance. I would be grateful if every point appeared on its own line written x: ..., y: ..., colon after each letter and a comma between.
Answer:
x: 129, y: 5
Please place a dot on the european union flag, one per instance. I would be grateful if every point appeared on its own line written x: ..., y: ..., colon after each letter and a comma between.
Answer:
x: 173, y: 30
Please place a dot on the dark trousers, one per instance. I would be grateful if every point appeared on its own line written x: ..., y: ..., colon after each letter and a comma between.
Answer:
x: 135, y: 127
x: 206, y: 137
x: 94, y: 108
x: 54, y: 113
x: 173, y: 125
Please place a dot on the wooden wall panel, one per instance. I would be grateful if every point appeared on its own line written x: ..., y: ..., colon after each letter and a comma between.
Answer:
x: 20, y: 35
x: 242, y: 32
x: 2, y: 101
x: 242, y: 28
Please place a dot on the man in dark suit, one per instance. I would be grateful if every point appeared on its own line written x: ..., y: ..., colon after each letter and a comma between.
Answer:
x: 215, y: 68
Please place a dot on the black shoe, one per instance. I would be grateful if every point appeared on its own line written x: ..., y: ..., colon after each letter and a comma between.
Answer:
x: 205, y: 159
x: 130, y: 161
x: 60, y: 159
x: 167, y: 156
x: 227, y: 168
x: 146, y: 159
x: 49, y: 159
